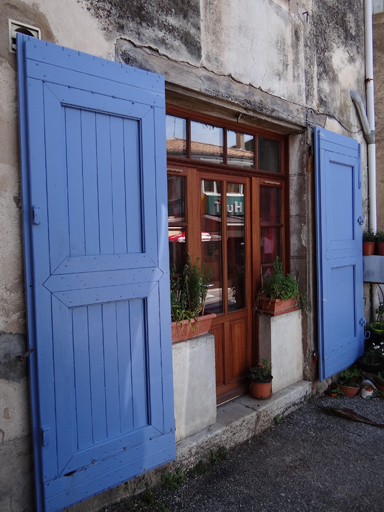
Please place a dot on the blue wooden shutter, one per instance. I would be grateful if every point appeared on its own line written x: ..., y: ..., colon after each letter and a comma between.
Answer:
x: 339, y: 251
x: 97, y: 270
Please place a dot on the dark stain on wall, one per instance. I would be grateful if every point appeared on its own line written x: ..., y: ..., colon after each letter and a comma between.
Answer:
x: 165, y: 24
x: 331, y: 29
x: 13, y: 359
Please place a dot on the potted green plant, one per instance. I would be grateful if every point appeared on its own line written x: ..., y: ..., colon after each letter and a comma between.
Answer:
x: 279, y: 293
x: 261, y: 379
x: 349, y: 380
x: 188, y: 296
x: 369, y: 243
x: 373, y: 359
x: 379, y: 238
x: 335, y: 391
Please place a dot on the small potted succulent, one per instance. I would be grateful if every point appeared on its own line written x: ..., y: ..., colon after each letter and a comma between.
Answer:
x: 379, y: 238
x: 349, y: 380
x: 369, y: 240
x: 261, y: 379
x: 335, y: 391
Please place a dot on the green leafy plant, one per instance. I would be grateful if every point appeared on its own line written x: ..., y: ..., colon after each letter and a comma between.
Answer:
x: 280, y: 286
x: 351, y: 377
x: 374, y: 353
x: 380, y: 312
x: 379, y: 237
x: 262, y: 372
x: 204, y: 467
x: 338, y: 392
x: 369, y: 236
x: 189, y: 291
x: 173, y: 481
x: 278, y: 419
x: 219, y: 455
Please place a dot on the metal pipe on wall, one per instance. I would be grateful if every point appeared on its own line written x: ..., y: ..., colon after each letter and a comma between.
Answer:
x: 369, y: 84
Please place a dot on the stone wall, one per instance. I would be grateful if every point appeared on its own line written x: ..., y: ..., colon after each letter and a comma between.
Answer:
x: 281, y: 65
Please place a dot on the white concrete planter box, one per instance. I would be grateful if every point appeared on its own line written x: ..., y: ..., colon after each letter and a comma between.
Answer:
x: 194, y: 381
x: 280, y: 339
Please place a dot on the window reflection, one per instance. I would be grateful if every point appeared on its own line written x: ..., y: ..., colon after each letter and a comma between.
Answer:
x: 270, y: 204
x: 270, y: 244
x: 176, y: 131
x: 212, y: 247
x: 206, y: 142
x: 235, y: 246
x: 269, y: 155
x: 241, y: 149
x: 176, y: 222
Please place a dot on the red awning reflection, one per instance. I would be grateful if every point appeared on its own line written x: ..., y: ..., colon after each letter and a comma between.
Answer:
x: 180, y: 237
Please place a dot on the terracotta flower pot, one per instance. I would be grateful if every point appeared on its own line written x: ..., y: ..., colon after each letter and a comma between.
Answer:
x: 261, y: 389
x: 182, y: 331
x: 349, y: 390
x: 380, y: 248
x: 274, y: 307
x: 368, y: 248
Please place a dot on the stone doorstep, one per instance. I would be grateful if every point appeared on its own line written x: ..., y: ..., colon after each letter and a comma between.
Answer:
x: 238, y: 421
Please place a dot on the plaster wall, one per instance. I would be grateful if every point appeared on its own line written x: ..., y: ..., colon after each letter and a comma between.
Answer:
x: 194, y: 385
x: 378, y: 43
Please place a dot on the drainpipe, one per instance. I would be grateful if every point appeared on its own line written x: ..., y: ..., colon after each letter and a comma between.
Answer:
x: 371, y: 115
x: 368, y: 124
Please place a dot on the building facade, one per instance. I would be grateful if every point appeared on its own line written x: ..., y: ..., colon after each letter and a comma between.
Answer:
x: 245, y: 86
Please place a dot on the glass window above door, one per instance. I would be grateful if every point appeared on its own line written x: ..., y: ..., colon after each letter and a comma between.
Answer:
x: 213, y: 144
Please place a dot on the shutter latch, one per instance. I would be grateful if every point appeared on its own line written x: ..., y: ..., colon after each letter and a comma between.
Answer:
x: 45, y: 436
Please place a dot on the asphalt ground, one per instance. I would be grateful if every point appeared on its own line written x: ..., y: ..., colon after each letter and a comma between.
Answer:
x: 309, y: 461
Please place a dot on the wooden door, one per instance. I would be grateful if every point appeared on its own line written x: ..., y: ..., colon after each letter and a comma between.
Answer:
x: 226, y: 248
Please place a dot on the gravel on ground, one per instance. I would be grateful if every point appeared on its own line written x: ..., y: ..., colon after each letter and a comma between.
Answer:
x: 309, y: 461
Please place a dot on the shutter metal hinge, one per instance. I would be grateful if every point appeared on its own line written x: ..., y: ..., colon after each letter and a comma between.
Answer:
x: 360, y: 220
x: 362, y: 321
x: 45, y: 436
x: 35, y: 214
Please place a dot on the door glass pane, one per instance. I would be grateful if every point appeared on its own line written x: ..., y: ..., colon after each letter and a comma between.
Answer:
x: 268, y: 155
x: 235, y: 246
x: 177, y: 252
x: 270, y: 205
x: 176, y: 130
x: 270, y: 244
x: 206, y: 142
x: 176, y: 198
x: 176, y: 214
x: 212, y: 243
x: 240, y: 149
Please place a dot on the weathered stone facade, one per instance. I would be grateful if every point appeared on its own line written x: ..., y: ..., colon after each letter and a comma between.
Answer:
x: 283, y: 65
